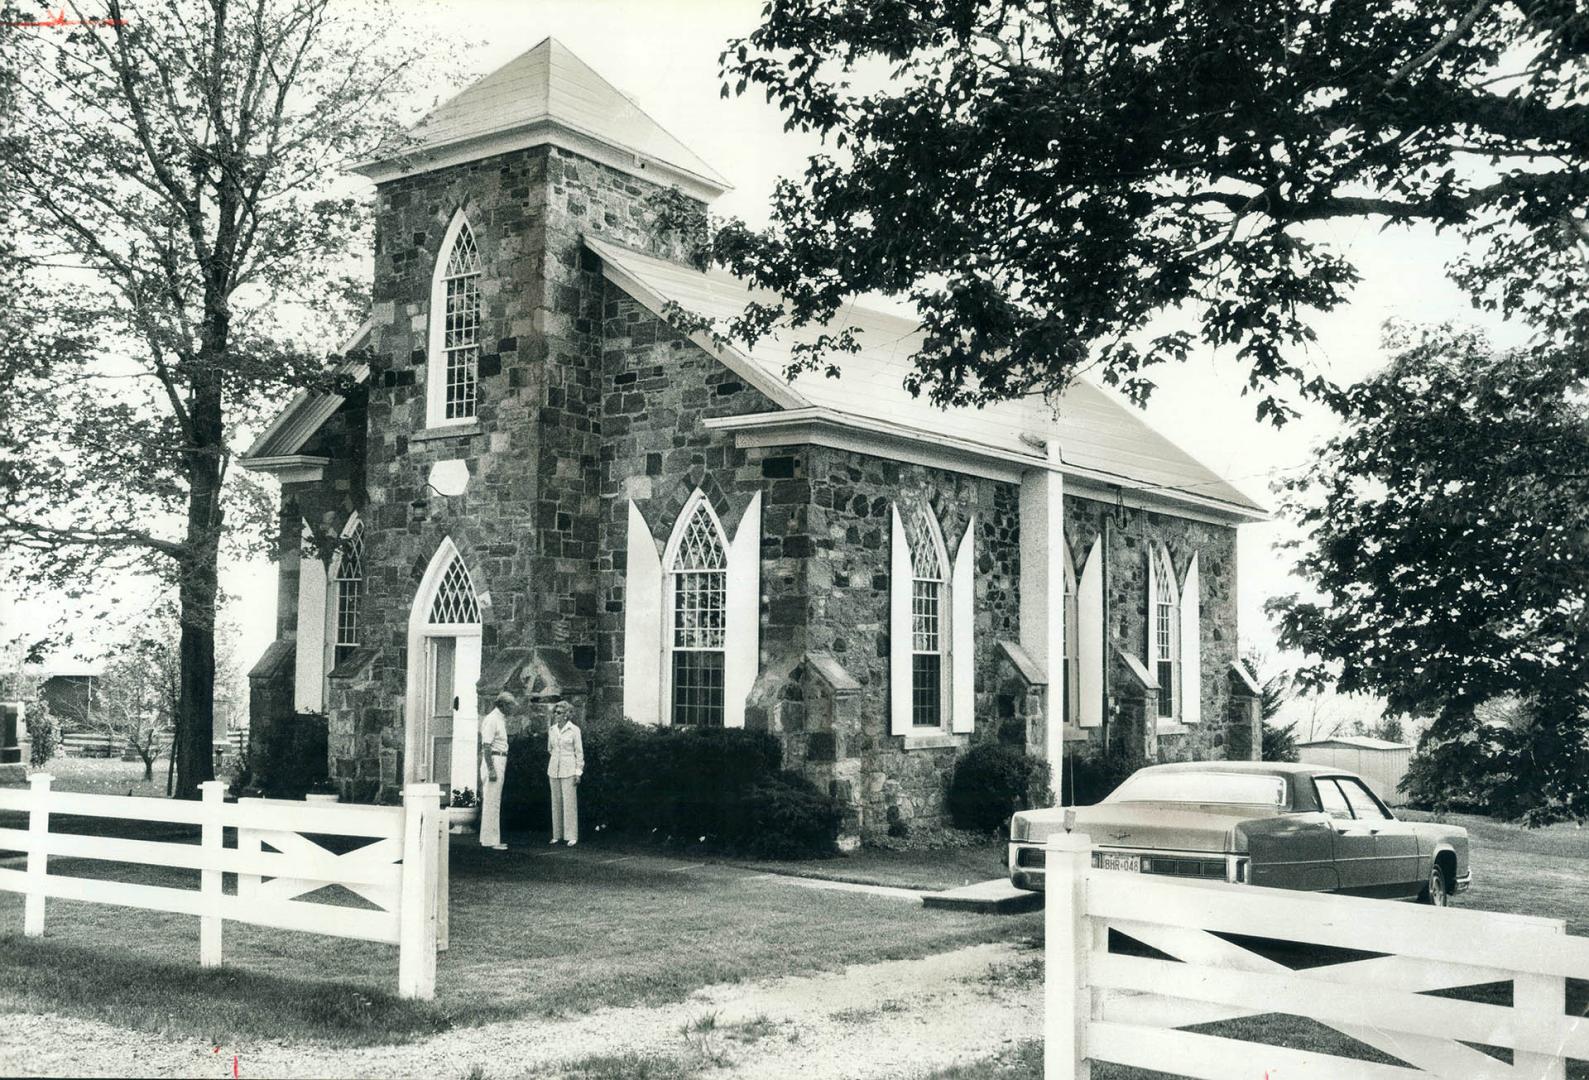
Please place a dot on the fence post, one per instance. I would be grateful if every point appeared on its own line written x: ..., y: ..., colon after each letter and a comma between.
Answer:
x: 211, y: 836
x: 443, y: 878
x: 38, y: 855
x: 1067, y: 999
x: 1541, y: 1004
x: 416, y: 924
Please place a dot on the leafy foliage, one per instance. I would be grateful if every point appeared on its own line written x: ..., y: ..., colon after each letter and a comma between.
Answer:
x: 44, y: 737
x: 721, y: 787
x: 1448, y: 528
x: 1279, y: 742
x: 1275, y: 690
x: 167, y: 187
x: 1045, y: 179
x: 990, y: 782
x: 289, y: 760
x: 1095, y: 775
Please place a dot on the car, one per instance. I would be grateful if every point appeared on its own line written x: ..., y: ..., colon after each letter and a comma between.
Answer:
x: 1271, y: 824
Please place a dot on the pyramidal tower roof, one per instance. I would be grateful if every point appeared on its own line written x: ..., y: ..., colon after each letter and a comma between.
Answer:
x: 547, y: 96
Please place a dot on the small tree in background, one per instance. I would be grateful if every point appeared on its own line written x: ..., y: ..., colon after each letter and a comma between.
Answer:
x: 1447, y: 531
x: 1275, y: 686
x: 171, y: 179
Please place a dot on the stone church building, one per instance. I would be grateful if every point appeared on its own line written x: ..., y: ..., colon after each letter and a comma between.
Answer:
x: 538, y: 483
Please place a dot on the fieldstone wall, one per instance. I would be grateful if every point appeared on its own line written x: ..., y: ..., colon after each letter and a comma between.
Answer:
x: 527, y: 526
x: 847, y: 610
x: 588, y: 401
x: 1130, y: 720
x: 657, y: 387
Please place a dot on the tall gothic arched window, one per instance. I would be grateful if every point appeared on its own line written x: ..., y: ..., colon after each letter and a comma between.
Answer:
x: 350, y: 593
x: 927, y: 644
x: 698, y: 585
x: 454, y: 368
x: 1164, y: 626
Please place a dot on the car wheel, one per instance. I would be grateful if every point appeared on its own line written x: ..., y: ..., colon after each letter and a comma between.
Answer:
x: 1435, y: 891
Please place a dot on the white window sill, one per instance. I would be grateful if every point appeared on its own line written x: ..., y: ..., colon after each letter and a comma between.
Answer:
x: 451, y: 431
x: 1171, y: 727
x: 933, y: 741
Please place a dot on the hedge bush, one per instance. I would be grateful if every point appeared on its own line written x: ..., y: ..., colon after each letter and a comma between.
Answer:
x: 1095, y: 775
x: 721, y: 787
x: 44, y: 737
x: 990, y: 782
x: 293, y: 757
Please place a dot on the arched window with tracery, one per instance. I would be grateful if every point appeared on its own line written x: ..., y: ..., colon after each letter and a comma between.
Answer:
x: 453, y: 370
x: 1164, y: 626
x: 350, y: 592
x: 698, y: 593
x: 927, y: 610
x: 455, y: 600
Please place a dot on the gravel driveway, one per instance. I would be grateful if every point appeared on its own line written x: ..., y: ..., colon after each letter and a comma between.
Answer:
x: 896, y: 1019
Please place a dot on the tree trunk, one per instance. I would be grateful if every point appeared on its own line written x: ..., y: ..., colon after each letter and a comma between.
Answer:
x: 199, y: 586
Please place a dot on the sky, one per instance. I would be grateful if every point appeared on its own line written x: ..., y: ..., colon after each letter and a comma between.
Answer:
x: 664, y: 54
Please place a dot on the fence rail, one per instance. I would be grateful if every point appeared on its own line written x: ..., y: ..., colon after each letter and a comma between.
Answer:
x: 1109, y: 1007
x: 402, y: 870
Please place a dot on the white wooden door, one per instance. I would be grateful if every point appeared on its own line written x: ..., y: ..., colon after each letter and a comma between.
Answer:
x: 465, y: 770
x: 440, y: 672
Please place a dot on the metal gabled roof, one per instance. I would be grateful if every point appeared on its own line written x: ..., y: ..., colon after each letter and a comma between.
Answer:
x: 545, y: 89
x: 304, y: 415
x: 1100, y: 438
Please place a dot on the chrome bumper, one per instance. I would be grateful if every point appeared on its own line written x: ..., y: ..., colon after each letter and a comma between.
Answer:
x: 1463, y: 883
x: 1026, y: 862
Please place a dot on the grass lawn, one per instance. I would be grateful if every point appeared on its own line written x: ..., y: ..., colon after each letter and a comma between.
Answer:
x: 924, y: 868
x: 532, y: 933
x: 106, y: 776
x: 1541, y: 872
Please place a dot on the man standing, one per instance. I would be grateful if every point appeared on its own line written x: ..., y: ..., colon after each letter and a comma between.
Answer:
x: 566, y: 753
x: 494, y: 769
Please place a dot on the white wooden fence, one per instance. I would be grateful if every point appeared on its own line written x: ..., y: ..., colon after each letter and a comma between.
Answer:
x: 1108, y: 1007
x: 403, y: 873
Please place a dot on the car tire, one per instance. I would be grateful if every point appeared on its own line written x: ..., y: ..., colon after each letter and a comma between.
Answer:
x: 1436, y: 891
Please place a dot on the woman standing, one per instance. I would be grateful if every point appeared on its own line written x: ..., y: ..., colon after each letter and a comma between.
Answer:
x: 494, y: 769
x: 566, y: 752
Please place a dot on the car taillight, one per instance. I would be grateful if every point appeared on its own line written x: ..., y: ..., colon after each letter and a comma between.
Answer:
x: 1239, y: 873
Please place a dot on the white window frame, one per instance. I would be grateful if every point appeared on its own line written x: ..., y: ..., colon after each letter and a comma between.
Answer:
x: 698, y: 504
x: 1164, y: 632
x: 334, y: 594
x: 437, y: 353
x: 956, y: 645
x: 943, y: 618
x: 1070, y: 707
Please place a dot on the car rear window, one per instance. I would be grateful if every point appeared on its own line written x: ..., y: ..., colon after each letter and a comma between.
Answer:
x: 1202, y: 787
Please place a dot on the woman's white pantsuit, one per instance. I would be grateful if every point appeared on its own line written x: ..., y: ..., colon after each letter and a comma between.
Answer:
x: 566, y: 753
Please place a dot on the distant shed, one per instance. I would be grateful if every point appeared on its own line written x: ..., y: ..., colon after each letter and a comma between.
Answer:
x: 1380, y: 762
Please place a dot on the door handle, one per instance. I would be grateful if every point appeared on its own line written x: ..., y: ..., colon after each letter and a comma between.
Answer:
x: 454, y: 704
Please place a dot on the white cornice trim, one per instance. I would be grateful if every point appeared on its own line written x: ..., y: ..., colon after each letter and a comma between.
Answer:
x: 543, y: 131
x: 880, y: 438
x: 290, y: 468
x: 781, y: 393
x: 326, y: 407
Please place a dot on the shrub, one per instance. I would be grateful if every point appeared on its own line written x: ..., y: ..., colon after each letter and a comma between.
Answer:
x: 784, y: 816
x: 720, y: 786
x: 44, y: 737
x: 990, y: 782
x: 295, y: 757
x: 1095, y: 775
x: 1279, y: 743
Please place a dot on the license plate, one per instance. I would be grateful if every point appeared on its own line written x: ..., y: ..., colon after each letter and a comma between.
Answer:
x: 1130, y: 863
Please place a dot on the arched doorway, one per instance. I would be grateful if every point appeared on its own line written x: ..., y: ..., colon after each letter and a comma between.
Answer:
x: 442, y: 715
